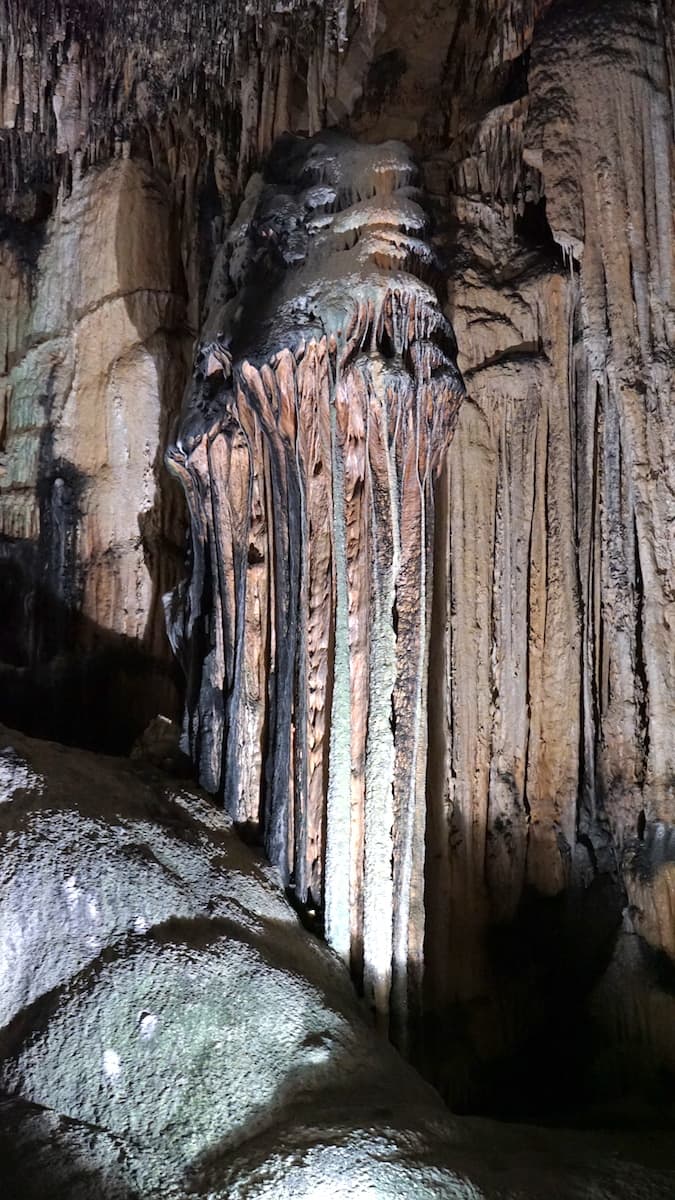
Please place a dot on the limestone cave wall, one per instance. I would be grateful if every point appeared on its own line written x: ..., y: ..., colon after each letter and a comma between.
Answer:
x: 543, y: 132
x: 95, y: 355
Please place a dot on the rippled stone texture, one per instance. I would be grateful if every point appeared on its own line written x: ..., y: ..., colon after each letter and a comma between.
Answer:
x: 325, y: 393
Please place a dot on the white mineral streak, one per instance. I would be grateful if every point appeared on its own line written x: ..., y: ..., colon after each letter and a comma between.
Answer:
x: 111, y: 1064
x: 378, y: 896
x: 147, y: 1024
x: 16, y: 774
x: 338, y: 798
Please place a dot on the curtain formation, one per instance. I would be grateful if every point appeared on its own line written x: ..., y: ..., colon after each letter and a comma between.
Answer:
x: 323, y: 398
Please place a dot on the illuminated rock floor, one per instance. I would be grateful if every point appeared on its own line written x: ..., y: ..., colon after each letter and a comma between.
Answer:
x: 169, y: 1029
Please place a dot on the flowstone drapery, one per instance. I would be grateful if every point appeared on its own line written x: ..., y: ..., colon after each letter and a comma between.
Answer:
x: 324, y: 396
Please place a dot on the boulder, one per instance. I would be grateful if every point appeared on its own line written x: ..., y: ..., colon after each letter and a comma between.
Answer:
x: 169, y: 1029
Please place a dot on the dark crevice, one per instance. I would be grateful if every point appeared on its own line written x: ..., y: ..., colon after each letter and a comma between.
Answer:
x: 640, y: 665
x: 516, y: 84
x: 534, y: 231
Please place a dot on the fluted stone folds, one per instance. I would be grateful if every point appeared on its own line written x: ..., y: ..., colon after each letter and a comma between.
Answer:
x: 324, y: 396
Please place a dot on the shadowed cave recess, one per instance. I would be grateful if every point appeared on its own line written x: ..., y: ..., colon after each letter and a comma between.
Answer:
x: 336, y: 480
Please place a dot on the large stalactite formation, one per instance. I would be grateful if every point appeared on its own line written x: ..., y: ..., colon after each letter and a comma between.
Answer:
x: 324, y: 398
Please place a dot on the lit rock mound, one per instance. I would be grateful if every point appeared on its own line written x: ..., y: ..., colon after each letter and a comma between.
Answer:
x: 324, y: 396
x: 168, y: 1029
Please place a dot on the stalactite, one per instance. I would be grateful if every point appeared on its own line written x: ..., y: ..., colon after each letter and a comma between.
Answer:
x: 80, y: 75
x: 324, y: 396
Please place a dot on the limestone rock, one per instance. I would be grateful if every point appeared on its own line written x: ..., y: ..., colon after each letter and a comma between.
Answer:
x: 169, y: 1029
x: 543, y: 132
x: 323, y: 398
x: 90, y: 525
x: 551, y: 694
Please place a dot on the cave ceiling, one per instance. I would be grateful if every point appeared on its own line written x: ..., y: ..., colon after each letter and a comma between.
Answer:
x: 86, y: 80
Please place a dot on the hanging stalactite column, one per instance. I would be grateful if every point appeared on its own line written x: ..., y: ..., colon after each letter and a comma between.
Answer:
x: 324, y: 396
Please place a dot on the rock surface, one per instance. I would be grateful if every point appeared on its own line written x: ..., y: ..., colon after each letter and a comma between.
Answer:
x: 552, y: 700
x: 90, y: 525
x: 169, y: 1029
x: 323, y: 398
x: 543, y: 129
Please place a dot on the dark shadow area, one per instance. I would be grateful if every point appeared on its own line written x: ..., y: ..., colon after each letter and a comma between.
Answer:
x: 46, y: 1156
x: 382, y: 81
x: 63, y: 676
x: 558, y: 1015
x: 534, y: 232
x: 26, y: 238
x: 516, y: 84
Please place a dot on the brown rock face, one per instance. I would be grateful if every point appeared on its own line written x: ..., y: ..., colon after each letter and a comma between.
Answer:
x: 93, y: 367
x: 324, y: 398
x: 551, y: 693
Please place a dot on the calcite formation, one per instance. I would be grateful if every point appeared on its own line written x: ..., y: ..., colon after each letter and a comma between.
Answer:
x: 92, y: 362
x: 324, y: 398
x: 82, y: 79
x: 552, y: 699
x: 543, y: 133
x: 170, y: 1030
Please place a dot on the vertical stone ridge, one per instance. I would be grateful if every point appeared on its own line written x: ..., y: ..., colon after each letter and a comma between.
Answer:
x: 327, y: 389
x: 338, y: 799
x: 552, y: 700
